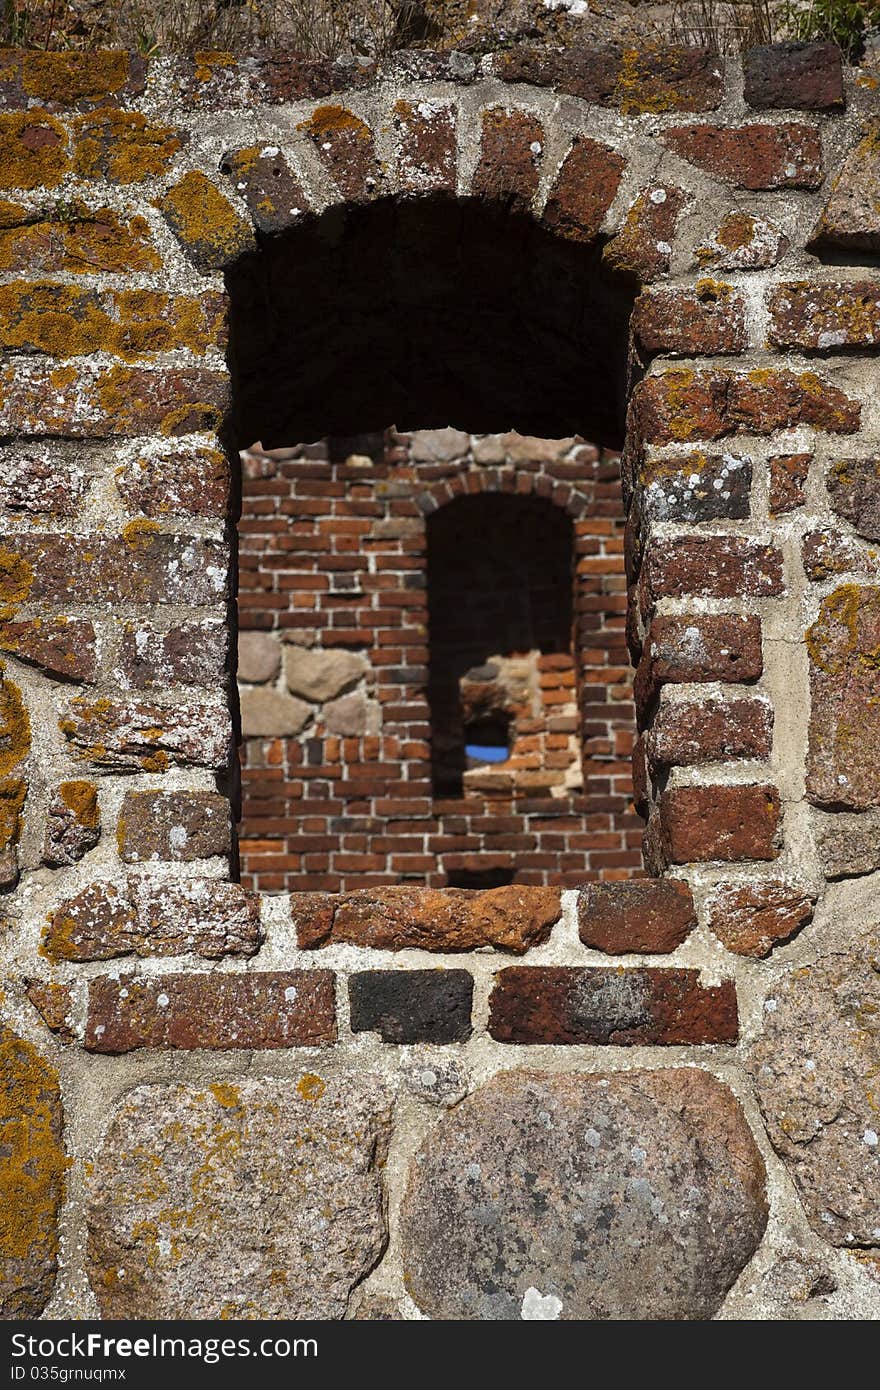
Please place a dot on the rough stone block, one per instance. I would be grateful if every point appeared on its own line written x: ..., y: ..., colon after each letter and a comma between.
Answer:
x: 177, y: 826
x: 854, y: 490
x: 689, y: 732
x: 409, y: 1006
x: 788, y: 476
x: 708, y: 320
x: 322, y: 675
x: 73, y: 823
x: 208, y: 227
x: 842, y: 769
x: 825, y: 315
x: 259, y: 657
x: 751, y: 918
x: 646, y: 916
x: 701, y: 824
x: 184, y: 479
x: 851, y: 217
x: 274, y: 195
x: 345, y: 146
x: 269, y: 713
x: 681, y: 405
x: 698, y: 647
x: 510, y: 156
x: 712, y: 567
x: 743, y: 241
x: 800, y: 76
x: 140, y: 735
x: 61, y: 647
x: 643, y: 246
x: 753, y: 156
x: 697, y: 488
x: 186, y: 654
x: 584, y: 190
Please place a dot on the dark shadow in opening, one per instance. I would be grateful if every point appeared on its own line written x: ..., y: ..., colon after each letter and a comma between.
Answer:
x: 499, y: 585
x: 426, y: 313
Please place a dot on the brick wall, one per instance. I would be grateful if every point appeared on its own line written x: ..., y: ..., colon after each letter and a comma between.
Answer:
x: 363, y: 604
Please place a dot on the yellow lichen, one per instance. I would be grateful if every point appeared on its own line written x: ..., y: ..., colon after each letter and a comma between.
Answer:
x: 226, y: 1095
x: 123, y: 146
x: 34, y: 150
x: 206, y: 60
x: 75, y: 238
x: 640, y: 90
x: 136, y: 532
x: 327, y: 121
x: 155, y: 762
x: 15, y: 726
x: 16, y: 579
x: 33, y: 1163
x: 13, y: 793
x: 73, y: 76
x: 82, y: 799
x: 311, y: 1087
x: 203, y: 219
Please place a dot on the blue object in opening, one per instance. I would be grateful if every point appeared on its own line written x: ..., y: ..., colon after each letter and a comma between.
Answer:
x: 487, y: 753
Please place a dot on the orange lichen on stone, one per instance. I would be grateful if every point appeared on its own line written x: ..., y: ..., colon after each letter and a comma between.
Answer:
x: 205, y: 223
x: 33, y: 1165
x: 327, y: 121
x: 206, y: 60
x: 226, y: 1095
x: 311, y: 1087
x: 65, y: 321
x: 53, y: 1003
x: 135, y: 532
x: 82, y: 799
x: 16, y: 579
x: 73, y: 76
x: 34, y: 150
x: 13, y: 794
x: 122, y: 146
x: 76, y: 238
x: 15, y: 726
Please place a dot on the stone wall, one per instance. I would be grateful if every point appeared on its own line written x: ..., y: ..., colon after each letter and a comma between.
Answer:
x: 659, y: 1094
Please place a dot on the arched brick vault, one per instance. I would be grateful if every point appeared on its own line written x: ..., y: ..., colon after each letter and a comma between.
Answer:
x: 750, y: 471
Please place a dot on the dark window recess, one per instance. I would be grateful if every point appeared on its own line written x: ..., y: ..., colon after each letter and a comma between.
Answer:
x: 487, y: 740
x: 479, y: 879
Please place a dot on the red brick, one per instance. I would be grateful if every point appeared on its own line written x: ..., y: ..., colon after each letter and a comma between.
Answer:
x: 788, y: 475
x: 681, y: 404
x: 751, y: 918
x: 707, y: 320
x: 184, y: 479
x: 728, y: 823
x: 178, y: 826
x: 753, y: 156
x: 90, y: 401
x: 611, y: 1006
x: 427, y: 149
x: 647, y: 916
x: 698, y: 647
x: 510, y: 154
x: 345, y: 146
x: 712, y: 567
x: 140, y: 567
x: 651, y: 78
x: 802, y: 76
x: 643, y: 246
x: 688, y: 732
x: 854, y: 491
x: 134, y: 735
x: 280, y: 1008
x: 60, y: 647
x: 824, y: 315
x: 584, y: 190
x: 826, y: 552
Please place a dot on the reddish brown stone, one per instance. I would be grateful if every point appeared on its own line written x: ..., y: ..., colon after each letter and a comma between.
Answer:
x: 61, y: 647
x: 854, y: 489
x: 279, y: 1008
x: 652, y: 78
x: 712, y: 567
x: 346, y: 148
x: 427, y: 149
x: 650, y: 916
x: 825, y: 553
x: 688, y: 732
x: 89, y: 401
x: 708, y: 320
x: 753, y: 156
x: 788, y: 475
x: 824, y: 316
x: 698, y: 647
x: 179, y: 826
x: 185, y: 479
x: 842, y: 767
x: 800, y: 76
x: 73, y: 823
x: 682, y: 404
x: 700, y: 824
x: 614, y: 1006
x: 191, y: 654
x: 41, y: 480
x: 130, y: 735
x: 851, y: 218
x: 450, y: 919
x: 274, y: 195
x: 93, y: 925
x: 123, y: 147
x: 510, y: 154
x: 643, y: 246
x: 750, y: 919
x: 743, y: 242
x: 54, y: 1004
x: 697, y: 487
x: 140, y: 567
x: 584, y: 190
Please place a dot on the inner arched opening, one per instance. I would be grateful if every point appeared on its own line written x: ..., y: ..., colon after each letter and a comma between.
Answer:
x: 433, y: 671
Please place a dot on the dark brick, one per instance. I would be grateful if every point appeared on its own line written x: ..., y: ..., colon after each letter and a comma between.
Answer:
x: 510, y: 155
x: 646, y: 916
x: 279, y: 1008
x: 183, y: 479
x: 191, y: 654
x: 345, y: 146
x: 427, y: 150
x: 826, y: 552
x: 178, y: 826
x: 854, y: 489
x: 708, y: 320
x: 698, y: 647
x: 141, y: 567
x: 408, y: 1006
x: 699, y: 487
x: 797, y: 76
x: 610, y: 1006
x: 274, y: 195
x: 712, y: 567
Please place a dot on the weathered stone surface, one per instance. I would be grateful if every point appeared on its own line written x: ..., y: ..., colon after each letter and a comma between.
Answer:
x: 258, y: 1199
x: 186, y: 654
x: 803, y: 76
x: 815, y: 1066
x: 269, y: 1009
x: 208, y: 228
x: 452, y: 919
x: 708, y: 320
x: 268, y: 713
x: 87, y: 400
x: 622, y: 1008
x: 32, y: 1169
x: 138, y: 567
x: 179, y: 826
x: 848, y: 843
x: 743, y: 242
x: 712, y: 567
x: 54, y: 1004
x: 647, y: 916
x: 130, y: 735
x: 436, y: 1079
x: 683, y: 405
x: 15, y: 724
x: 854, y: 489
x: 788, y: 476
x: 689, y: 732
x: 408, y: 1006
x: 842, y: 769
x: 73, y: 81
x: 798, y: 1278
x: 61, y: 647
x: 186, y: 479
x: 651, y: 77
x: 73, y: 823
x: 41, y: 480
x: 426, y: 145
x: 72, y: 236
x: 345, y: 145
x: 826, y: 552
x: 698, y: 647
x: 699, y: 487
x: 439, y: 446
x: 274, y: 195
x: 321, y: 675
x: 259, y: 657
x: 584, y: 190
x: 510, y: 156
x: 636, y: 1195
x: 353, y: 714
x: 42, y: 316
x: 699, y: 824
x: 35, y: 150
x: 643, y: 246
x: 751, y: 918
x: 851, y: 217
x: 824, y: 316
x: 753, y: 156
x: 122, y: 146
